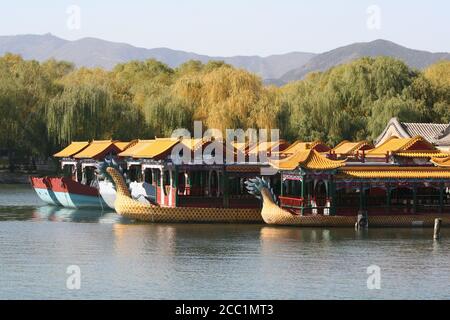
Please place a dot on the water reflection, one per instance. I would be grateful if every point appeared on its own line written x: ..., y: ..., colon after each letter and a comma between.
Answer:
x: 16, y: 213
x: 126, y: 259
x: 279, y: 233
x: 56, y: 214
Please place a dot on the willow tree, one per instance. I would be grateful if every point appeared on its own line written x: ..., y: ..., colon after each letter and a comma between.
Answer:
x: 228, y: 98
x: 25, y: 87
x: 439, y: 76
x: 346, y: 102
x: 166, y: 113
x: 80, y: 113
x: 136, y: 81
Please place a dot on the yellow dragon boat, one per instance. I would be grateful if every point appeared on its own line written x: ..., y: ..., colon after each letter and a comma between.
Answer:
x: 130, y: 208
x: 403, y: 182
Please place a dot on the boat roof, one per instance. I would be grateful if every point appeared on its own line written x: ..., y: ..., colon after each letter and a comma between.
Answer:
x: 347, y: 147
x: 98, y: 148
x: 72, y: 149
x: 156, y: 148
x: 307, y: 159
x: 302, y: 146
x: 139, y: 145
x: 441, y: 162
x: 393, y: 172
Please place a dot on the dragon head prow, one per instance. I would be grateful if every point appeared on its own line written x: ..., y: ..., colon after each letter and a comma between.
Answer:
x: 113, y: 172
x: 260, y: 188
x: 102, y: 168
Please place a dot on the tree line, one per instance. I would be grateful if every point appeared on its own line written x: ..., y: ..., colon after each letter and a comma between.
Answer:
x: 46, y: 105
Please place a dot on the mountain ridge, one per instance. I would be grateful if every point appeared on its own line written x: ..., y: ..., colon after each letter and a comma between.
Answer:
x: 275, y: 69
x: 94, y: 52
x: 418, y: 59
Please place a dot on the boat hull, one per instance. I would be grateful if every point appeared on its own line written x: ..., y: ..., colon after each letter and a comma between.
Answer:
x: 277, y: 216
x: 189, y: 215
x: 130, y: 208
x: 407, y: 221
x: 67, y: 193
x: 44, y: 191
x: 107, y: 192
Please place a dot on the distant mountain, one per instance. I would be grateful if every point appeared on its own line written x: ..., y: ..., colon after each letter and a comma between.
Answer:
x: 321, y: 62
x: 92, y: 52
x: 275, y: 69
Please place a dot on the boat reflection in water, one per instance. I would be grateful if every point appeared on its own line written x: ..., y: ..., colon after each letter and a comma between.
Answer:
x: 62, y: 214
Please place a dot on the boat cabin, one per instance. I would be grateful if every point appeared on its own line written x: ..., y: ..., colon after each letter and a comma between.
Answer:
x: 401, y: 176
x: 79, y: 159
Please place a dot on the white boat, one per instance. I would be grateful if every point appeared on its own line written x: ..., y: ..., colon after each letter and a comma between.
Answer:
x: 141, y: 191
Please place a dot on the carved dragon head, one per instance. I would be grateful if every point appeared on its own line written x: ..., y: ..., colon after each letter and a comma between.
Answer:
x: 260, y: 188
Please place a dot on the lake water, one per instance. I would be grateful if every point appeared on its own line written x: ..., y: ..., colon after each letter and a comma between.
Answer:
x: 119, y: 259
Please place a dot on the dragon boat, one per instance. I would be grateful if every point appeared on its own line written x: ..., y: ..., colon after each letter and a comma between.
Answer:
x: 399, y: 182
x: 404, y: 182
x: 78, y: 186
x: 131, y: 208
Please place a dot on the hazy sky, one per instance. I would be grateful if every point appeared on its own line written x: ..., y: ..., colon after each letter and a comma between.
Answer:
x: 231, y: 27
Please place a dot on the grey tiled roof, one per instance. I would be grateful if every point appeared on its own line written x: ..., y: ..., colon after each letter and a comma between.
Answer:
x: 436, y: 133
x: 430, y: 131
x: 444, y: 138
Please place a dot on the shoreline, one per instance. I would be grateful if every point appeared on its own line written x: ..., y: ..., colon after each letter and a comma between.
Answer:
x: 7, y: 177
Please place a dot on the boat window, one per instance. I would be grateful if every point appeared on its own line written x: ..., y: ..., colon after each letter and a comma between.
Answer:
x: 148, y: 174
x: 68, y: 171
x: 135, y: 174
x: 88, y: 175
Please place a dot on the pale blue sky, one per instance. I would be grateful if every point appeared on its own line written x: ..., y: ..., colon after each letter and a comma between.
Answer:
x: 231, y: 27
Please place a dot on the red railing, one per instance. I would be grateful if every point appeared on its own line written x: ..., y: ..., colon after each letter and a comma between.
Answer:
x: 291, y: 202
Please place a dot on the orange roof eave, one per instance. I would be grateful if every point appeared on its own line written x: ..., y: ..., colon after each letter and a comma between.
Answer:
x: 396, y: 145
x: 441, y: 162
x: 72, y: 149
x: 155, y: 149
x: 348, y: 147
x: 125, y: 145
x: 96, y: 148
x: 307, y: 159
x: 393, y: 173
x: 132, y: 150
x: 422, y: 154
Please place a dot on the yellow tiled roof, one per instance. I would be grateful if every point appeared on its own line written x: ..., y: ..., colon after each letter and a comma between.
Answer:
x: 71, y: 149
x: 293, y: 147
x: 131, y: 151
x: 159, y: 146
x: 95, y: 148
x: 394, y: 144
x: 423, y: 154
x: 193, y: 144
x: 125, y: 145
x: 441, y: 162
x: 393, y: 172
x: 300, y: 146
x: 266, y: 146
x: 308, y: 159
x: 347, y: 147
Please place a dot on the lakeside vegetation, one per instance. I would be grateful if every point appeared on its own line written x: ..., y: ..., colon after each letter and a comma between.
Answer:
x: 46, y: 105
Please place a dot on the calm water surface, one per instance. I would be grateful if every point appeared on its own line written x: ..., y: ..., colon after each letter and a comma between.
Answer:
x: 120, y: 259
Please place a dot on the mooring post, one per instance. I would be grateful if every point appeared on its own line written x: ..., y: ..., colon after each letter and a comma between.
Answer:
x: 362, y: 221
x: 437, y: 228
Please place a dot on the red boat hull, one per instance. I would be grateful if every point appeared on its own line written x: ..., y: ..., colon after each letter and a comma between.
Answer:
x: 66, y: 192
